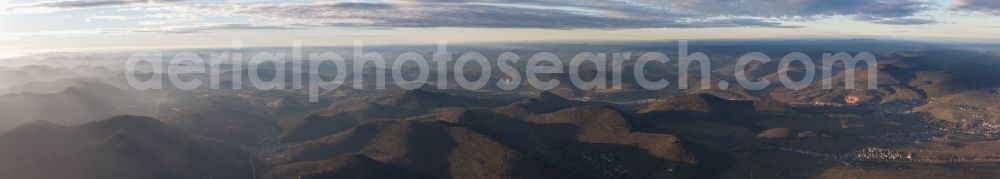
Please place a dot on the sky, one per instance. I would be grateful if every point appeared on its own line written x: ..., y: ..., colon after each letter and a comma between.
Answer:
x: 31, y: 26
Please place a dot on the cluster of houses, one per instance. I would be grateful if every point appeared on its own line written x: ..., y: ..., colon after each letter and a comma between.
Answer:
x: 876, y: 154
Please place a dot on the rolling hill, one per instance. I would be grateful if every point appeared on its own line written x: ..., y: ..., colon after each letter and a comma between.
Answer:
x: 119, y: 147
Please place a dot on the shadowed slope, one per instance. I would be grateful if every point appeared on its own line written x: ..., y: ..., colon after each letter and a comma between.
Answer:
x: 343, y: 116
x: 120, y: 147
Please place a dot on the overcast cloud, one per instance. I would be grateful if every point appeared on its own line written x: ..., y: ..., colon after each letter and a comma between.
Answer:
x: 978, y: 6
x: 545, y: 14
x: 70, y: 4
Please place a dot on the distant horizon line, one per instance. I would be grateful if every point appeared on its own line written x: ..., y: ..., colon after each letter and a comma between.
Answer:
x: 431, y: 44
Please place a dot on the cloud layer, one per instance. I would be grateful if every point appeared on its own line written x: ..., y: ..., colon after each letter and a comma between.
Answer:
x: 547, y: 14
x: 587, y: 14
x: 477, y: 15
x: 865, y: 10
x: 979, y: 6
x: 69, y: 4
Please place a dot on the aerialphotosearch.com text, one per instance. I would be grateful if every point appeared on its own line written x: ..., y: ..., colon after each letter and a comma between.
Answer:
x: 306, y: 72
